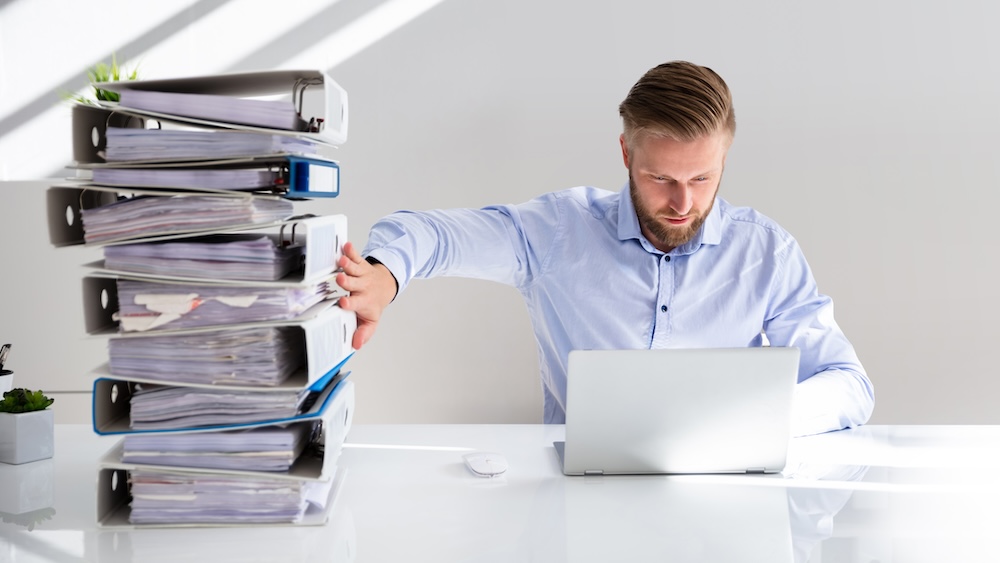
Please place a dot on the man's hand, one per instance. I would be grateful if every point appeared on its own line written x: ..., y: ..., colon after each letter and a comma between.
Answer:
x: 372, y: 288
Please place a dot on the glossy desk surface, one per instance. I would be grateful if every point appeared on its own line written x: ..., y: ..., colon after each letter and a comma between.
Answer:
x: 878, y: 493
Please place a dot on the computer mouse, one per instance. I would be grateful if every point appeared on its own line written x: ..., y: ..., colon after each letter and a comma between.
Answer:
x: 486, y: 464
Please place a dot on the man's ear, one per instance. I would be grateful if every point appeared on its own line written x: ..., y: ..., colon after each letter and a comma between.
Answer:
x: 621, y: 140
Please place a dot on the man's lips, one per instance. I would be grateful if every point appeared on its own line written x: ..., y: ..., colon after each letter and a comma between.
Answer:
x: 677, y: 220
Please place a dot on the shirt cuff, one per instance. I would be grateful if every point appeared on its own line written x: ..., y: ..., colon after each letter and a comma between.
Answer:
x: 373, y: 261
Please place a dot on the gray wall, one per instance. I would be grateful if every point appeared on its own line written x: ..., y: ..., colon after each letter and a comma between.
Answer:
x: 865, y: 128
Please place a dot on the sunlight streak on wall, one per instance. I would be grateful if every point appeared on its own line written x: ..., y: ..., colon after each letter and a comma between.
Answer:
x: 360, y: 34
x: 40, y: 145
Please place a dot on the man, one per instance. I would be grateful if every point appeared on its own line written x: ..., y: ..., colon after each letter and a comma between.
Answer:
x: 664, y: 263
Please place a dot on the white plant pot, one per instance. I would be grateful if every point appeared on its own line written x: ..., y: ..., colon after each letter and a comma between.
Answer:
x: 26, y: 436
x: 6, y: 382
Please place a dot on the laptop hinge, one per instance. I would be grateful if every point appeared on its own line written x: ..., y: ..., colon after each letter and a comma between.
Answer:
x: 594, y: 472
x: 755, y: 470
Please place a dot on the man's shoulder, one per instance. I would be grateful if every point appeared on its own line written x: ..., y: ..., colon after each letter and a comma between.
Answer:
x: 559, y: 209
x: 750, y: 220
x: 594, y: 201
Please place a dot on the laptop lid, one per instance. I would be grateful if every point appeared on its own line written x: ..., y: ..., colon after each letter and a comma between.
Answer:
x: 711, y: 410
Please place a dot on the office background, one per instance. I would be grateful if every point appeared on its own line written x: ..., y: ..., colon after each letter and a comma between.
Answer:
x: 866, y: 128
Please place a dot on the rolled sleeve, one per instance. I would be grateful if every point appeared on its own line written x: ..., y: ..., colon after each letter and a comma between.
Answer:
x: 834, y: 392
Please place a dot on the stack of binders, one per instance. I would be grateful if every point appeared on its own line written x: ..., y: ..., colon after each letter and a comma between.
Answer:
x: 226, y: 346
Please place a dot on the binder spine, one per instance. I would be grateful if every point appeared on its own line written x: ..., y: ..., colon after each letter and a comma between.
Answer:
x: 65, y: 205
x: 325, y: 238
x: 335, y: 426
x: 328, y: 341
x: 100, y: 303
x: 335, y: 112
x: 308, y: 177
x: 110, y: 408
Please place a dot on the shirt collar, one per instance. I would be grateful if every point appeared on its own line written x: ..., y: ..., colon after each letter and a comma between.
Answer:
x: 710, y: 232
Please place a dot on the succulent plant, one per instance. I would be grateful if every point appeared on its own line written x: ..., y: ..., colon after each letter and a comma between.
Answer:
x: 22, y: 400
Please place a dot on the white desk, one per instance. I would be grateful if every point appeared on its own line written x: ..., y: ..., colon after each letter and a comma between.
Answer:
x: 887, y: 494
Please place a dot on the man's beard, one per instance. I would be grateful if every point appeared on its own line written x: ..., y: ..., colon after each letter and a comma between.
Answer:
x: 664, y: 234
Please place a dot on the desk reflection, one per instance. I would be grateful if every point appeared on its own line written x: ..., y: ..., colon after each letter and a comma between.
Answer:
x: 771, y: 519
x: 26, y: 494
x: 332, y: 543
x: 811, y: 510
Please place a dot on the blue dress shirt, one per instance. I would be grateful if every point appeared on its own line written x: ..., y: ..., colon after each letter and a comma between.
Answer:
x: 591, y: 280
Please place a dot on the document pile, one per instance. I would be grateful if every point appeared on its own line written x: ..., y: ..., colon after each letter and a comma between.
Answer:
x: 260, y: 449
x: 165, y: 498
x: 254, y: 357
x: 254, y: 257
x: 274, y: 114
x: 127, y: 145
x: 168, y: 407
x: 148, y: 305
x: 226, y: 345
x: 148, y: 216
x: 196, y: 178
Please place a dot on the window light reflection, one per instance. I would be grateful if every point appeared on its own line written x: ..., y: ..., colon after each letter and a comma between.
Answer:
x: 408, y: 447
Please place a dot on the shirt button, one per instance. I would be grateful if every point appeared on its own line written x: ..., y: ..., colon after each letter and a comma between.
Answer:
x: 667, y: 258
x: 663, y: 308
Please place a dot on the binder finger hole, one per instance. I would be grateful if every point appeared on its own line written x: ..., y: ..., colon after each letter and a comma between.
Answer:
x: 104, y: 299
x: 114, y: 393
x: 114, y: 481
x: 70, y: 216
x: 95, y: 137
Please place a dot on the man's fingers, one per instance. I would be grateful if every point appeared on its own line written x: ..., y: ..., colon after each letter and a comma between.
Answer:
x: 362, y: 335
x: 351, y: 252
x: 356, y: 280
x: 365, y: 327
x: 348, y: 282
x: 351, y: 303
x: 351, y: 267
x: 361, y: 305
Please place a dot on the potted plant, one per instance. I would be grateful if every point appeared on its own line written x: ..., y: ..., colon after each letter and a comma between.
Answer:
x: 91, y: 119
x: 26, y: 426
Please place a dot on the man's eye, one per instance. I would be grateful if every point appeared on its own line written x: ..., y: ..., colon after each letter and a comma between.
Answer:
x: 701, y: 179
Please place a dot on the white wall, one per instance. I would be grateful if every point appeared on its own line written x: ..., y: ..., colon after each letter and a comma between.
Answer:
x: 865, y: 128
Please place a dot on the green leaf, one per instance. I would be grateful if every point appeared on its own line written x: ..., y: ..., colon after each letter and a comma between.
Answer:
x: 22, y: 400
x: 104, y: 72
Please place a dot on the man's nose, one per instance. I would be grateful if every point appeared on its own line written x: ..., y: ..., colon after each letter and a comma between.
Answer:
x: 680, y: 199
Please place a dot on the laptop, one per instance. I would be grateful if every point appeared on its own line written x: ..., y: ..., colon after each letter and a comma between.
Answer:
x: 706, y: 410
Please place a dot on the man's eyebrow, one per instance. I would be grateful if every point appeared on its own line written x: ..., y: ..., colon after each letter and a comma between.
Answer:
x: 661, y: 175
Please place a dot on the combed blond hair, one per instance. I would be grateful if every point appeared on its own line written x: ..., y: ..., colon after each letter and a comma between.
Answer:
x: 679, y: 100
